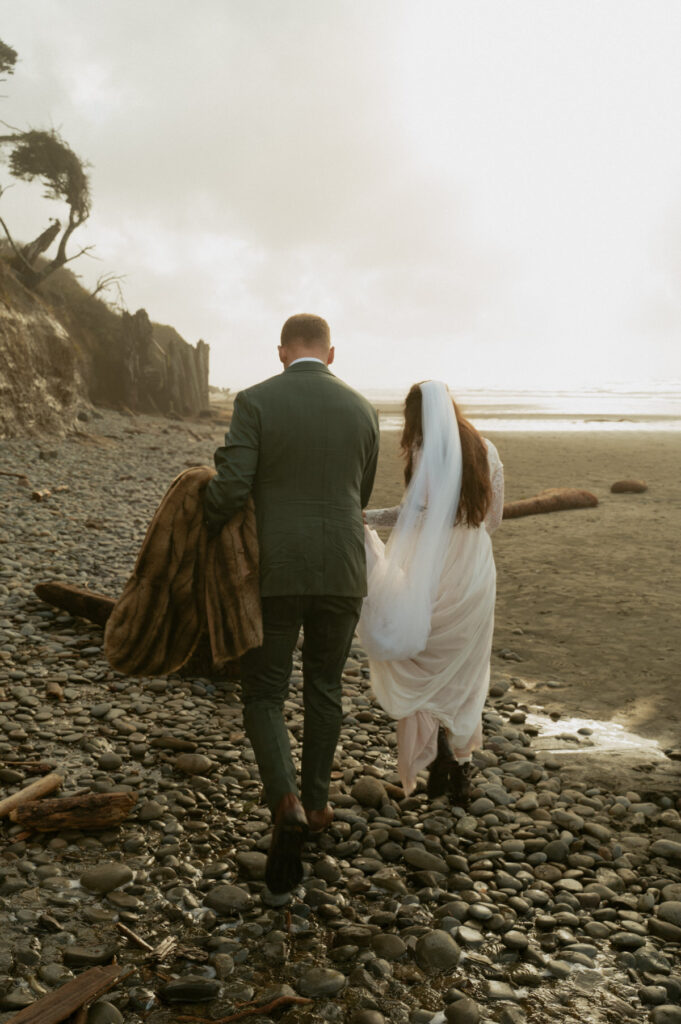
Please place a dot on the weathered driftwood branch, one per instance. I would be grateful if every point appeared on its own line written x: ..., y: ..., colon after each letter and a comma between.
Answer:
x: 76, y: 600
x: 134, y: 937
x: 555, y: 499
x: 58, y: 1006
x: 30, y: 793
x: 19, y: 476
x: 165, y: 948
x: 32, y: 767
x: 87, y: 811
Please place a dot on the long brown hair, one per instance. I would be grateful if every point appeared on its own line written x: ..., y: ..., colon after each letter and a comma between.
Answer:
x: 476, y: 488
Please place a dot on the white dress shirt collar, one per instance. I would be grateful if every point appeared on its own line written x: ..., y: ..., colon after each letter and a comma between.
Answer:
x: 306, y: 359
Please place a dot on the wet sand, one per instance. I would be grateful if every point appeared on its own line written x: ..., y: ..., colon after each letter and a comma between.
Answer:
x: 588, y: 599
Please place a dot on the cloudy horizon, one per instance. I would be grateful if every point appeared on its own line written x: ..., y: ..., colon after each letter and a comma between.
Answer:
x: 485, y: 192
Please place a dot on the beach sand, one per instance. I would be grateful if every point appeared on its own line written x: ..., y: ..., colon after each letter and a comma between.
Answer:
x: 590, y: 599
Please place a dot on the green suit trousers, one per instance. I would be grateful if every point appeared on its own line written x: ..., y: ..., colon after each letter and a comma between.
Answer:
x: 328, y: 625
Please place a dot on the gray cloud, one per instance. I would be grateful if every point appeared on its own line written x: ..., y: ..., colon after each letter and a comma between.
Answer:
x: 425, y: 175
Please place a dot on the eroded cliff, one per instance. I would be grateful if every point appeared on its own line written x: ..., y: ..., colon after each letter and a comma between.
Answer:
x: 62, y: 351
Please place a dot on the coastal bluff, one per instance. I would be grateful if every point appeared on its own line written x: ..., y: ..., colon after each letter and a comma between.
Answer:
x: 64, y: 351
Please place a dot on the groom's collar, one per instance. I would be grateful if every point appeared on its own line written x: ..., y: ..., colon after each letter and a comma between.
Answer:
x: 305, y: 364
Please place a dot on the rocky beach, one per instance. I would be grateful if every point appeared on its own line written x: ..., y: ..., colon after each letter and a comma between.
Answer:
x: 556, y: 897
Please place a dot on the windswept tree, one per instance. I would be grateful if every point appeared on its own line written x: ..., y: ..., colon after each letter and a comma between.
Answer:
x: 45, y: 157
x: 8, y: 59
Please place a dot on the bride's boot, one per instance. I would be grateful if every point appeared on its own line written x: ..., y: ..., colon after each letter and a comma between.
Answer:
x: 460, y: 783
x: 439, y: 769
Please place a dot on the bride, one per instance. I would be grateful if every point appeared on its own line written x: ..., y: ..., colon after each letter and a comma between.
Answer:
x: 427, y: 622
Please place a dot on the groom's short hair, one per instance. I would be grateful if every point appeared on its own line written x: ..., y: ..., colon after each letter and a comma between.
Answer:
x: 306, y: 329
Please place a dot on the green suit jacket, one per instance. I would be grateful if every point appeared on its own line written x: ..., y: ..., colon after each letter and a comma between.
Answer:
x: 305, y: 445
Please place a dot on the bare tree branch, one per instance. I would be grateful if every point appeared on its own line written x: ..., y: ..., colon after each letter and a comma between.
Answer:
x: 105, y: 282
x: 87, y: 251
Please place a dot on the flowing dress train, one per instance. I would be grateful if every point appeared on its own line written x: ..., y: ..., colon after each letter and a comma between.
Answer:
x: 447, y: 682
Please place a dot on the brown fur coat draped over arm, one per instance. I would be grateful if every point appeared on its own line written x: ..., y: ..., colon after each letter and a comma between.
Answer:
x: 184, y: 585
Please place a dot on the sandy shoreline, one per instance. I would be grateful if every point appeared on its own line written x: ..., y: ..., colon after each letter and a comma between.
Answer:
x: 589, y: 598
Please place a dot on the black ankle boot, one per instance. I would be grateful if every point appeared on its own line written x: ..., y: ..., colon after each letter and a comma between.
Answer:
x: 460, y: 784
x: 439, y: 769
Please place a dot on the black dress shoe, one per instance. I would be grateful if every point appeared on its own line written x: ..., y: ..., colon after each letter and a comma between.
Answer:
x: 460, y: 784
x: 284, y: 868
x: 439, y: 769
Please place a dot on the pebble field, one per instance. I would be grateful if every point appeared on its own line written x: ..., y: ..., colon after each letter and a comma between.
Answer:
x: 545, y: 901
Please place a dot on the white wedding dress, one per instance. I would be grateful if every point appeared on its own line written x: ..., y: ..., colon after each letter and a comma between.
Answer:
x: 447, y: 681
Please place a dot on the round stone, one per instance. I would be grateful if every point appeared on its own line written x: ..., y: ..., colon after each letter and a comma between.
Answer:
x: 672, y: 891
x: 190, y: 989
x: 470, y: 936
x: 106, y: 877
x: 627, y: 940
x: 515, y: 939
x: 104, y: 1013
x: 666, y: 848
x: 420, y: 859
x: 483, y: 805
x: 327, y: 868
x: 227, y: 899
x: 437, y: 951
x: 666, y: 1014
x: 88, y: 956
x: 653, y: 995
x: 321, y: 981
x: 108, y: 762
x: 388, y: 946
x: 557, y: 850
x: 193, y: 764
x: 369, y: 792
x: 463, y: 1011
x: 252, y: 864
x: 670, y: 911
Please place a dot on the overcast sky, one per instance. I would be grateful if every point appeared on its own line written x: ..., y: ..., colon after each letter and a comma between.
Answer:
x: 486, y: 191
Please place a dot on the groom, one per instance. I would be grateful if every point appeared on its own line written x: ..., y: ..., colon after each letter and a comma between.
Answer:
x: 305, y: 445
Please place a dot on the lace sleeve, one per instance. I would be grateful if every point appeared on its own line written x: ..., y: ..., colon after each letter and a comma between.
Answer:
x: 496, y: 471
x: 382, y: 517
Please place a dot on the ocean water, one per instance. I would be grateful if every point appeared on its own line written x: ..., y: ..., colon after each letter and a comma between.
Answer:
x: 653, y: 407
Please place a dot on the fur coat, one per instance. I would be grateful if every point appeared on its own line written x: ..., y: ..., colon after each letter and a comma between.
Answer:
x: 185, y: 585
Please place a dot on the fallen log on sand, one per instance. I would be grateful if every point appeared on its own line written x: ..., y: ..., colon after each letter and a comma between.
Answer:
x: 86, y: 811
x: 629, y: 487
x: 555, y: 499
x: 97, y: 608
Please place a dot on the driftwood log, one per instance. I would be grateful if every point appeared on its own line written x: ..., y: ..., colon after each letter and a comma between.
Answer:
x: 86, y: 811
x: 30, y: 793
x: 86, y: 604
x: 67, y: 1000
x: 555, y: 499
x: 629, y: 487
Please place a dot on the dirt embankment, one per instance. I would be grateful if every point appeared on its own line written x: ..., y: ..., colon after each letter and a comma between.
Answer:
x: 63, y: 350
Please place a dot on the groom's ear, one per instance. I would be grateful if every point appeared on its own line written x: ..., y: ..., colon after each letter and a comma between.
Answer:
x: 332, y: 353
